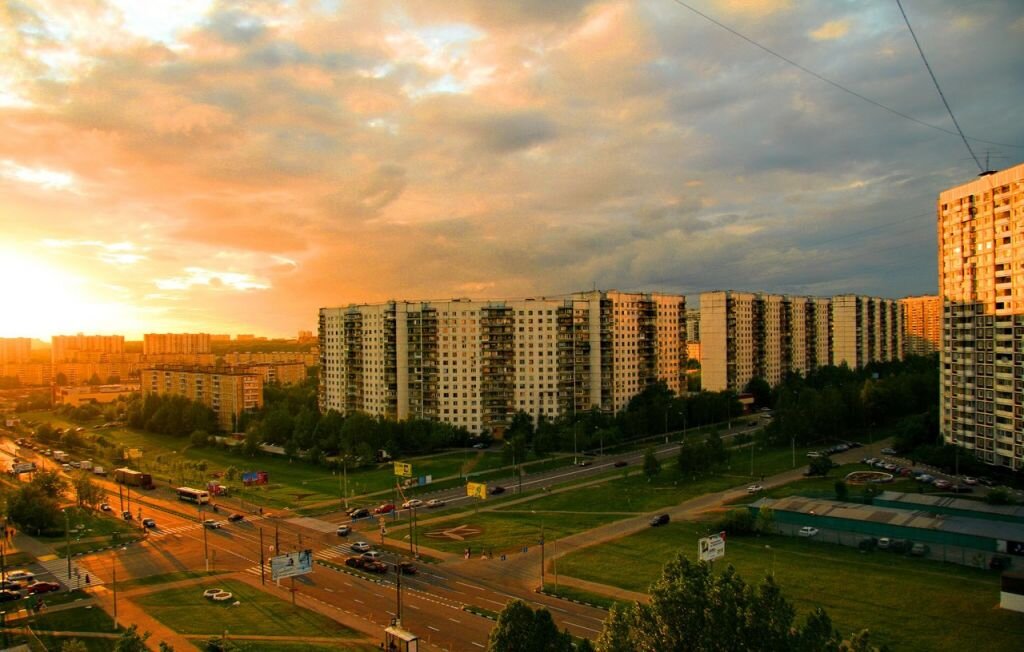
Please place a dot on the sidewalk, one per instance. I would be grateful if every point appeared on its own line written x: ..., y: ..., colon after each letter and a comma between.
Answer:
x: 128, y: 613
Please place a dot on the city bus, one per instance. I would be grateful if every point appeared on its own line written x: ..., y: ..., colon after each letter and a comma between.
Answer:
x: 200, y: 496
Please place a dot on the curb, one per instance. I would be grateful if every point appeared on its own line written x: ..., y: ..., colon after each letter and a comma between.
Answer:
x: 559, y: 597
x: 105, y: 548
x: 477, y: 612
x: 346, y: 571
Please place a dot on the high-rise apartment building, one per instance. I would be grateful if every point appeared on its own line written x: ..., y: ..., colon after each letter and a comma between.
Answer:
x: 228, y: 392
x: 922, y: 324
x: 15, y: 350
x: 476, y: 363
x: 693, y: 325
x: 981, y: 280
x: 747, y: 335
x: 164, y: 343
x: 85, y: 348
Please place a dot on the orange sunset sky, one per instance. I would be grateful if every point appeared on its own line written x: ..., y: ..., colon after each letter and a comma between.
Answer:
x: 233, y: 166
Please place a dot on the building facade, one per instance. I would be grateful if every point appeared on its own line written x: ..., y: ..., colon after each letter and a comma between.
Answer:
x: 981, y: 280
x: 228, y: 392
x: 15, y: 350
x: 922, y: 324
x: 475, y: 363
x: 84, y: 348
x: 188, y: 343
x: 747, y: 335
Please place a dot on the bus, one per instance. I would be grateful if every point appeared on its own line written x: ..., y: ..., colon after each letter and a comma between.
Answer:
x: 200, y: 496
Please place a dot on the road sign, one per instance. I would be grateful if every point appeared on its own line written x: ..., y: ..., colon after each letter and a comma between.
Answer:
x: 403, y: 469
x: 712, y: 547
x: 291, y: 564
x: 476, y: 490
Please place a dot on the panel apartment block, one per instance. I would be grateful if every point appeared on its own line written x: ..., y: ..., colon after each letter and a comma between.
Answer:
x: 981, y: 280
x: 159, y: 343
x: 15, y: 350
x: 228, y: 392
x: 922, y: 324
x: 475, y: 363
x: 757, y: 335
x: 84, y: 348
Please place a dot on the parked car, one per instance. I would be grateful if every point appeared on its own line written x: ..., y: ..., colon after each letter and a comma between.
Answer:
x: 20, y: 576
x: 42, y: 587
x: 105, y: 507
x: 360, y: 512
x: 942, y: 484
x: 919, y: 550
x: 867, y: 544
x: 480, y: 445
x: 620, y: 463
x: 808, y: 531
x: 888, y: 451
x: 899, y: 545
x: 149, y: 523
x: 754, y: 488
x: 496, y: 490
x: 410, y: 504
x: 924, y: 477
x: 884, y: 543
x: 435, y: 502
x: 385, y: 508
x: 360, y: 546
x: 813, y: 454
x: 660, y: 519
x: 8, y: 596
x: 969, y: 481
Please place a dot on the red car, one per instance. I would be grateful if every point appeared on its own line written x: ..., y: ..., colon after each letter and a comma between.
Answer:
x: 43, y: 587
x: 386, y: 508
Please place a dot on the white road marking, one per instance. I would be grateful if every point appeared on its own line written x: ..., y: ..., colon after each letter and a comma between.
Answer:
x: 433, y: 628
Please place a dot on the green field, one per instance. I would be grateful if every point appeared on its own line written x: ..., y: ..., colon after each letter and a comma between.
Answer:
x: 186, y: 610
x: 282, y: 646
x: 507, y: 532
x: 164, y: 578
x: 86, y: 523
x: 91, y: 644
x: 79, y: 619
x: 907, y: 603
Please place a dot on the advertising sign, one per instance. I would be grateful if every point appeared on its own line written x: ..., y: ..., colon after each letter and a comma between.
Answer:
x: 291, y: 564
x: 250, y: 478
x: 403, y: 470
x: 712, y: 547
x: 476, y: 490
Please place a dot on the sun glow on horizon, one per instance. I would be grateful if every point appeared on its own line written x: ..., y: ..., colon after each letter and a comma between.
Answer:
x: 44, y: 300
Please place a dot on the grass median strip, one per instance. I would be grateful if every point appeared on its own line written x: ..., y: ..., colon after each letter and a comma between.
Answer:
x: 186, y: 610
x: 166, y: 578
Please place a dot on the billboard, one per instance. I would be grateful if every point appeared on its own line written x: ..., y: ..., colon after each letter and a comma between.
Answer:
x: 712, y: 547
x: 403, y: 469
x: 476, y: 490
x: 291, y: 564
x: 250, y: 478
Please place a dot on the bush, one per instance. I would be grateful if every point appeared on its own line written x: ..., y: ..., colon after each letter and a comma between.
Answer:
x: 737, y: 522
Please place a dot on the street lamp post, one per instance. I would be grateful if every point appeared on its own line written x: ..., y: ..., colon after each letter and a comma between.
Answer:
x: 206, y: 554
x: 67, y: 543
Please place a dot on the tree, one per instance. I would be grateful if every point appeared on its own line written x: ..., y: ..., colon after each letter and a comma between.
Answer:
x: 94, y: 380
x: 87, y: 492
x: 820, y: 465
x: 251, y: 446
x: 692, y: 610
x: 521, y: 629
x: 166, y: 647
x: 33, y: 509
x: 132, y: 641
x: 652, y: 466
x: 199, y: 438
x: 761, y: 391
x: 50, y: 483
x: 842, y: 491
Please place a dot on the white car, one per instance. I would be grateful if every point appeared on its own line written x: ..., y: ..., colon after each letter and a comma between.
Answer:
x: 344, y: 530
x: 754, y: 488
x: 808, y: 531
x: 409, y: 504
x: 360, y: 546
x: 435, y: 502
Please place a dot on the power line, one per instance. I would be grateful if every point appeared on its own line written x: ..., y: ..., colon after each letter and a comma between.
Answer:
x: 938, y: 88
x: 835, y: 84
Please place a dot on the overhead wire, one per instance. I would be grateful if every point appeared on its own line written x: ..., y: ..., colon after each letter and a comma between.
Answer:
x: 836, y: 84
x: 935, y: 81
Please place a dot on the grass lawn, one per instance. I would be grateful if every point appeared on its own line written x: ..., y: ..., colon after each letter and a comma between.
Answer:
x: 80, y: 619
x: 907, y: 603
x: 91, y: 644
x: 186, y: 610
x: 165, y: 578
x: 275, y: 646
x: 86, y: 546
x: 62, y: 597
x: 502, y: 532
x: 87, y: 523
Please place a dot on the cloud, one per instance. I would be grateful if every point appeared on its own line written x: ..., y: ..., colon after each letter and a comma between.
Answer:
x: 833, y: 29
x: 197, y: 276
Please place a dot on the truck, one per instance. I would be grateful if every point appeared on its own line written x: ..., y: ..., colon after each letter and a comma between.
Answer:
x: 22, y: 467
x: 133, y: 478
x: 86, y: 465
x: 60, y: 456
x: 99, y: 470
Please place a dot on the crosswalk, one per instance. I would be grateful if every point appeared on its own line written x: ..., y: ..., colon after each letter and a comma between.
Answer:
x: 326, y: 554
x: 188, y: 527
x: 59, y: 569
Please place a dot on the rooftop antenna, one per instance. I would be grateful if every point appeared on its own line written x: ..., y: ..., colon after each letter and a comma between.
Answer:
x: 988, y: 159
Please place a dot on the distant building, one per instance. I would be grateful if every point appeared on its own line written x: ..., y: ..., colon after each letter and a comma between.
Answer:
x: 220, y: 337
x: 84, y: 348
x: 245, y: 337
x: 102, y: 394
x: 981, y: 280
x: 747, y: 335
x: 306, y: 337
x: 308, y: 358
x: 15, y: 350
x: 922, y: 324
x: 158, y: 343
x: 283, y: 373
x: 28, y: 373
x: 475, y: 363
x: 693, y: 352
x: 228, y: 392
x: 693, y: 325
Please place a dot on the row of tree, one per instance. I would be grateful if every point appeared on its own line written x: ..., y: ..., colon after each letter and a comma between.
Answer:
x: 170, y: 415
x: 690, y: 609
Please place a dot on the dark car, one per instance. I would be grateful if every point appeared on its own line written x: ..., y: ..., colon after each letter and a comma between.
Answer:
x: 43, y: 587
x: 620, y: 464
x: 660, y: 519
x: 408, y: 568
x: 234, y: 518
x: 126, y: 515
x: 868, y: 544
x: 361, y: 512
x: 150, y: 523
x: 496, y: 489
x: 8, y: 596
x: 354, y: 562
x: 375, y: 566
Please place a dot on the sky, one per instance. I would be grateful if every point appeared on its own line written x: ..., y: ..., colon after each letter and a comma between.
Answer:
x: 227, y: 167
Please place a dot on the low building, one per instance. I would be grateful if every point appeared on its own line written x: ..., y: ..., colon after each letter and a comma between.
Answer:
x: 228, y: 391
x: 100, y: 394
x: 283, y: 373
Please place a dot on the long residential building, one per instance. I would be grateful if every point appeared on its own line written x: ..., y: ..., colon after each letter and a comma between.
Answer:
x: 747, y: 335
x: 160, y: 343
x: 84, y: 348
x: 15, y: 350
x: 475, y: 363
x: 227, y: 391
x: 922, y: 324
x: 981, y: 280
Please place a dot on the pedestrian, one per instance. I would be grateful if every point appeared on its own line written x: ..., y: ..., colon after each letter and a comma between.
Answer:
x: 87, y: 580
